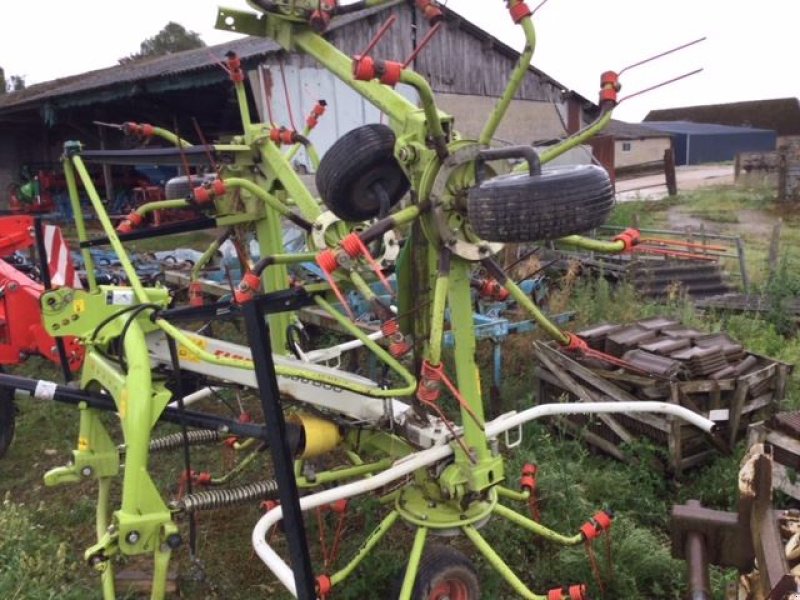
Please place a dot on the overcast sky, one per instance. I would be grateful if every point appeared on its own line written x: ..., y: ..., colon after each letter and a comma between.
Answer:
x: 751, y: 52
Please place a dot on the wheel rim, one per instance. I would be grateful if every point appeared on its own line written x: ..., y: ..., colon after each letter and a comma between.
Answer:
x: 450, y: 589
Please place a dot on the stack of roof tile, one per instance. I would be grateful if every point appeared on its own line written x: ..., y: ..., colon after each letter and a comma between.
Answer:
x: 702, y: 361
x: 628, y: 338
x: 648, y: 362
x: 666, y: 348
x: 596, y: 336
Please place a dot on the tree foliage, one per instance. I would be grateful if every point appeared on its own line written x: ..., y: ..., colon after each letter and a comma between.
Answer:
x: 14, y: 83
x: 172, y: 38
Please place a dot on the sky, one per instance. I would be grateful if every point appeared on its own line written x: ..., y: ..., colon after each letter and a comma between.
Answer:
x: 750, y: 53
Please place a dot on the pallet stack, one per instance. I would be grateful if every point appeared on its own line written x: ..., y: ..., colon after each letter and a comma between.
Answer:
x: 709, y: 373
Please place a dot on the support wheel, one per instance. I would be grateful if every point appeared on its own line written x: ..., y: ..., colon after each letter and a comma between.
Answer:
x: 7, y: 419
x: 445, y: 574
x: 561, y: 201
x: 181, y: 187
x: 359, y: 177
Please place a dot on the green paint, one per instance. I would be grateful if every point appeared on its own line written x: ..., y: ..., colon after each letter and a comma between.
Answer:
x: 414, y: 559
x: 536, y: 528
x: 591, y: 245
x: 145, y: 209
x: 516, y: 80
x: 377, y: 534
x: 77, y: 211
x: 498, y: 564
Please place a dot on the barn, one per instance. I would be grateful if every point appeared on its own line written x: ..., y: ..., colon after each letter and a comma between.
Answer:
x: 699, y: 143
x: 781, y: 115
x: 188, y: 91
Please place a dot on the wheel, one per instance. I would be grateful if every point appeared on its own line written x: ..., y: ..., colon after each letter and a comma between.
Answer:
x: 444, y: 574
x: 181, y: 186
x: 8, y: 413
x: 524, y: 208
x: 352, y: 168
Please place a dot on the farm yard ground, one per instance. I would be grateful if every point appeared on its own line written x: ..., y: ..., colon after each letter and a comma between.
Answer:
x: 690, y: 178
x: 43, y: 531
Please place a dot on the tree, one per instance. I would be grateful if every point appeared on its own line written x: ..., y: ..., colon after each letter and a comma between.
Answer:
x: 14, y: 83
x: 173, y: 38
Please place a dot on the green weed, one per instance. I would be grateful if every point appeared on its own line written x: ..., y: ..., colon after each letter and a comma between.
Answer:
x: 37, y: 563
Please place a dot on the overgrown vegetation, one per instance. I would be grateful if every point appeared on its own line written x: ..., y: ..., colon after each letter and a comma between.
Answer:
x: 43, y: 531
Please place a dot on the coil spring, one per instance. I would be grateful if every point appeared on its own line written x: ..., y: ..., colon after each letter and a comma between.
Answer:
x: 221, y: 498
x: 175, y: 440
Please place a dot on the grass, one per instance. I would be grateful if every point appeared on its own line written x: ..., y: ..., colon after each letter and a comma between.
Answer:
x: 43, y: 531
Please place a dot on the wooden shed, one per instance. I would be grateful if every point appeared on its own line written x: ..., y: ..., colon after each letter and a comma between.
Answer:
x: 467, y: 67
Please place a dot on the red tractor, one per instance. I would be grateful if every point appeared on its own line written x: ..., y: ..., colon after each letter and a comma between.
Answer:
x: 22, y: 283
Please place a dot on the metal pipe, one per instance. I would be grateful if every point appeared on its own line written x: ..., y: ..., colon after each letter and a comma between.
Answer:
x: 206, y: 257
x: 402, y: 467
x: 77, y: 212
x: 323, y: 354
x: 514, y: 82
x: 382, y: 354
x: 170, y: 137
x: 108, y: 228
x: 426, y: 98
x: 525, y: 302
x: 377, y: 535
x: 511, y: 421
x: 439, y: 309
x: 144, y: 209
x: 195, y: 396
x: 418, y: 460
x: 697, y: 563
x: 585, y: 243
x: 269, y: 199
x: 499, y: 565
x: 577, y: 138
x: 711, y: 236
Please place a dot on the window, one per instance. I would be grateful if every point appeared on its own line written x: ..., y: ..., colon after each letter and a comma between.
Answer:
x: 626, y: 146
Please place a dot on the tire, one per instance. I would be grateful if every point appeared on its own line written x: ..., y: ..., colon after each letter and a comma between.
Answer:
x: 8, y: 413
x: 359, y: 160
x: 181, y: 187
x: 443, y: 573
x: 561, y: 201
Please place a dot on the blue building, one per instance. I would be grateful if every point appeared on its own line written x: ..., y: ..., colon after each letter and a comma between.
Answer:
x: 698, y: 143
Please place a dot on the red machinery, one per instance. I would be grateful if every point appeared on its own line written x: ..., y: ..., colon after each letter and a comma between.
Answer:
x: 35, y: 195
x: 21, y: 329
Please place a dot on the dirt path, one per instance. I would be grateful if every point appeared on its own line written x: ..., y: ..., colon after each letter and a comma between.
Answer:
x: 653, y: 187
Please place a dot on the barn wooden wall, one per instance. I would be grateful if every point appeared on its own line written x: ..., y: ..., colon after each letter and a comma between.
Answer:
x: 456, y: 61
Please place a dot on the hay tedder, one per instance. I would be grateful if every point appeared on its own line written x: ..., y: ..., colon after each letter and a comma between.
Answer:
x: 448, y: 203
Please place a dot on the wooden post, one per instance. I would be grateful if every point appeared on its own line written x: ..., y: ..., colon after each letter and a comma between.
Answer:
x: 107, y: 178
x: 774, y: 249
x: 783, y: 175
x: 735, y: 414
x: 742, y: 266
x: 675, y: 439
x: 669, y: 172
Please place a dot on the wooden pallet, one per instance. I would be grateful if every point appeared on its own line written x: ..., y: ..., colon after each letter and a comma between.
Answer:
x: 732, y: 403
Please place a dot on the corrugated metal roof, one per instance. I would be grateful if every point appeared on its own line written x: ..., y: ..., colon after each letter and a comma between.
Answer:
x: 158, y: 67
x: 162, y: 67
x: 632, y: 131
x: 778, y: 114
x: 162, y: 73
x: 687, y: 127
